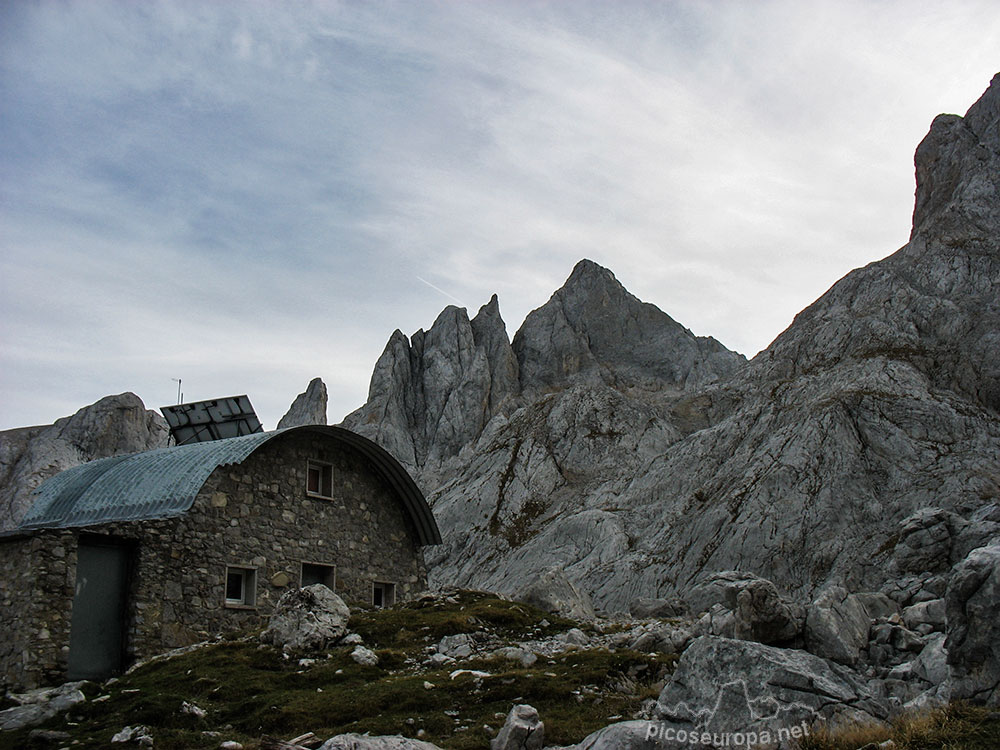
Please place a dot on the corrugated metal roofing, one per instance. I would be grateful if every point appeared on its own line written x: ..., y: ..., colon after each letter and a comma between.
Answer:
x: 155, y: 484
x: 163, y: 483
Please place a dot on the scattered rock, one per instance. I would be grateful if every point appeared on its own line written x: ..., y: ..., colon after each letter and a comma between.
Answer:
x: 307, y: 619
x: 762, y: 615
x: 365, y: 742
x: 837, y: 624
x: 645, y: 609
x: 459, y: 646
x: 930, y: 613
x: 139, y: 735
x: 632, y: 735
x: 522, y: 730
x: 193, y: 710
x: 364, y: 656
x: 575, y: 637
x: 518, y: 654
x: 553, y: 592
x: 38, y: 706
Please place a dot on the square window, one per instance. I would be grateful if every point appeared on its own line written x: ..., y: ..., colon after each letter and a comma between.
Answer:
x: 383, y: 594
x: 319, y: 479
x: 241, y: 587
x: 318, y: 573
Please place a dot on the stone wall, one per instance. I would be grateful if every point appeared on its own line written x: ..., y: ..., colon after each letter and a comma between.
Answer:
x: 37, y: 578
x: 255, y: 515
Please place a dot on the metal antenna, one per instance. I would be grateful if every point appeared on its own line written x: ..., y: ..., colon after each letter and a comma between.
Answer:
x: 178, y: 381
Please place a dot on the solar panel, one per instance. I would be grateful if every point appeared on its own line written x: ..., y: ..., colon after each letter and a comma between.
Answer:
x: 202, y: 421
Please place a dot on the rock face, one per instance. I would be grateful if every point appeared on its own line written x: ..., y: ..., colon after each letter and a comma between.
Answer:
x: 973, y: 642
x: 593, y: 331
x: 433, y: 394
x: 308, y: 407
x: 113, y: 426
x: 639, y: 458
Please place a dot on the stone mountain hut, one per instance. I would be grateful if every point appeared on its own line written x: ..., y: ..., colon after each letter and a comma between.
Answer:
x: 126, y: 557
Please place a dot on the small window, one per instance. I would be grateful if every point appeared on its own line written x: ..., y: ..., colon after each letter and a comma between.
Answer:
x: 319, y: 479
x: 383, y: 594
x: 241, y: 585
x: 317, y: 573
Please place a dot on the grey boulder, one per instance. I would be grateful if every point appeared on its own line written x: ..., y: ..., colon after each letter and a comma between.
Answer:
x: 838, y: 623
x: 38, y: 706
x: 307, y: 619
x: 727, y: 685
x: 522, y: 730
x: 973, y: 631
x: 554, y: 592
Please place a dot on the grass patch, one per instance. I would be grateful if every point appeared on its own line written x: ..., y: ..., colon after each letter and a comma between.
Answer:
x: 958, y: 726
x: 250, y: 692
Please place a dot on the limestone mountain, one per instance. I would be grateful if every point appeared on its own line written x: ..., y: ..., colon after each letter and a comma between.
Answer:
x: 112, y: 426
x: 594, y: 331
x: 639, y: 457
x: 435, y: 394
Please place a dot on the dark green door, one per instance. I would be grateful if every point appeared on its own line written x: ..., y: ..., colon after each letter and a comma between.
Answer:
x: 96, y: 639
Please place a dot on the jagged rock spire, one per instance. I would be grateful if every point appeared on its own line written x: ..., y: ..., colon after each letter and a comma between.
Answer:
x: 308, y: 407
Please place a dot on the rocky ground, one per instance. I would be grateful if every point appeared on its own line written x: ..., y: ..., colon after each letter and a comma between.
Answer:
x: 473, y: 670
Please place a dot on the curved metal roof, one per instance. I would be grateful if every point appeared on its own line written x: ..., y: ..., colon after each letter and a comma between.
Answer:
x: 163, y: 483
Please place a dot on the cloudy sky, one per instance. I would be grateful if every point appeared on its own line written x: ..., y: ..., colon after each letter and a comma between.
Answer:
x: 248, y: 195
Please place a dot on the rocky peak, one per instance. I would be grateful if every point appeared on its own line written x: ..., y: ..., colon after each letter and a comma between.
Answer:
x: 433, y: 394
x: 113, y: 426
x: 309, y: 407
x: 956, y: 169
x: 593, y: 330
x: 490, y: 333
x: 933, y: 305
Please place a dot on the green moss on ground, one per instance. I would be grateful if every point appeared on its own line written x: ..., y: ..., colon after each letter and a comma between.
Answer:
x: 250, y: 692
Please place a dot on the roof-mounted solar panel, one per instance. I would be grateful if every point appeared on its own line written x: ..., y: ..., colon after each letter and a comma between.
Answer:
x: 202, y: 421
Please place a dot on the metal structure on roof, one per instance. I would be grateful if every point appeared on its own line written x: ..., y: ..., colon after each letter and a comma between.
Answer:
x: 164, y: 483
x: 220, y: 418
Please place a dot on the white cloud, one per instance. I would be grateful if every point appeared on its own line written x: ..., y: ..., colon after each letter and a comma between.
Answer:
x: 248, y: 196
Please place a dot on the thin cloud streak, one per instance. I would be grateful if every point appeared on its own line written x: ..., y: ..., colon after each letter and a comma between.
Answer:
x: 242, y: 196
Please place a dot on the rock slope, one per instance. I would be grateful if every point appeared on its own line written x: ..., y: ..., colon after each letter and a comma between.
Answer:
x: 641, y: 458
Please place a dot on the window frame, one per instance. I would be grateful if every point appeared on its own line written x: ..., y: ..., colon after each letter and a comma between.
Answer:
x: 248, y: 588
x: 325, y: 484
x: 331, y: 577
x: 386, y: 587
